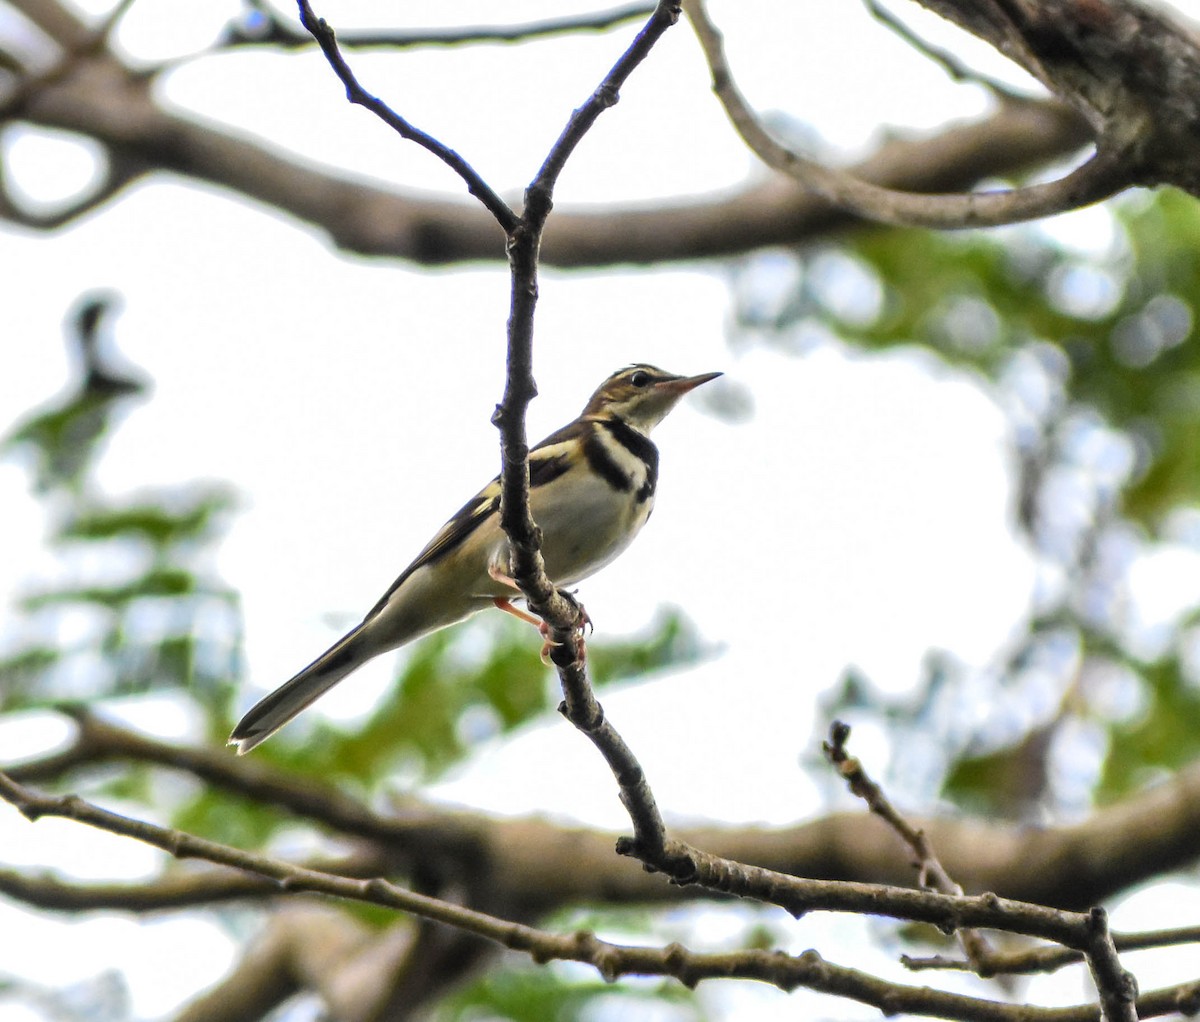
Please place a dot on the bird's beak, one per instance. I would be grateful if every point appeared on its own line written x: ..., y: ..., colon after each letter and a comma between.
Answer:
x: 685, y: 383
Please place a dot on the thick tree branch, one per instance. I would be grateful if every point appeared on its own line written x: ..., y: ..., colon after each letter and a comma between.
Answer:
x: 537, y: 867
x: 60, y: 23
x: 101, y: 99
x: 1128, y: 67
x: 307, y: 946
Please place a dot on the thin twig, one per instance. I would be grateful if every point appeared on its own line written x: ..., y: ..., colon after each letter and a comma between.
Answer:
x: 1106, y: 172
x: 946, y: 60
x: 272, y: 30
x: 1050, y: 958
x: 1116, y: 986
x: 355, y: 93
x: 931, y: 874
x: 414, y: 833
x: 170, y: 892
x: 524, y: 232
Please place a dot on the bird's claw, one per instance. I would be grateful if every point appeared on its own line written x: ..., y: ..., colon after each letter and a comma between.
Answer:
x: 582, y: 621
x: 550, y: 645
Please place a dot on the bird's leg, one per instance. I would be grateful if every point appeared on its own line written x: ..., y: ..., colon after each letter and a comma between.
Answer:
x: 504, y: 603
x: 583, y: 622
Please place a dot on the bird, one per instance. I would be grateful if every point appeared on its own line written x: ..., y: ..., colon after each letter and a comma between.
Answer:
x: 591, y: 489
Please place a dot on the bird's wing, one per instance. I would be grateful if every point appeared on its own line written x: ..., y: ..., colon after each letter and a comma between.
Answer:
x: 547, y: 461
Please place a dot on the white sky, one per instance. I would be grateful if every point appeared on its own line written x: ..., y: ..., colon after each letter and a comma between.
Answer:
x: 870, y: 496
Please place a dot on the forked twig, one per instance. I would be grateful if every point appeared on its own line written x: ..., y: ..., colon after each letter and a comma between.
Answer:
x: 1117, y: 987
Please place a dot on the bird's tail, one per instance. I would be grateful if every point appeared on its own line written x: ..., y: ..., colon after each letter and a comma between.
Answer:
x: 271, y: 713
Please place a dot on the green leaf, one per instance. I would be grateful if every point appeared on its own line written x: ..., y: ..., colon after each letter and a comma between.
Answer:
x: 156, y: 520
x: 525, y: 994
x: 1164, y: 737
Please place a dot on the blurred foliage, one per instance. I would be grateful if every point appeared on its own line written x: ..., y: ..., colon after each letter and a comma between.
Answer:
x: 103, y: 997
x: 524, y: 993
x: 1089, y: 347
x: 131, y: 604
x: 63, y: 437
x: 454, y: 690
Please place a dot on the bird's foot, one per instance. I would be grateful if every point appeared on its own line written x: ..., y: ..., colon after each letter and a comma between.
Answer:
x: 504, y: 603
x: 549, y: 644
x: 582, y: 622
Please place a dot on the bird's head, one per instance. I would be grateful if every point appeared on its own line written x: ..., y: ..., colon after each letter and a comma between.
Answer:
x: 641, y: 395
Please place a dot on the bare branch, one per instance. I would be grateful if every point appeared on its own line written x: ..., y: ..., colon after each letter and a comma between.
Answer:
x: 1150, y: 832
x: 1117, y: 987
x: 949, y: 63
x: 166, y: 893
x: 102, y: 100
x: 274, y: 31
x: 932, y: 874
x: 118, y: 175
x: 418, y: 832
x: 355, y: 93
x: 59, y: 22
x: 612, y: 960
x: 1104, y: 174
x: 1129, y: 67
x: 1050, y: 958
x: 795, y: 894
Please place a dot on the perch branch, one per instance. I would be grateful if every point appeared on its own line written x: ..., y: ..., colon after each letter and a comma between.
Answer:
x: 561, y: 613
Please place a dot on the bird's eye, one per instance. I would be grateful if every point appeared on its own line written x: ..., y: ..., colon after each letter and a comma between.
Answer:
x: 640, y: 378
